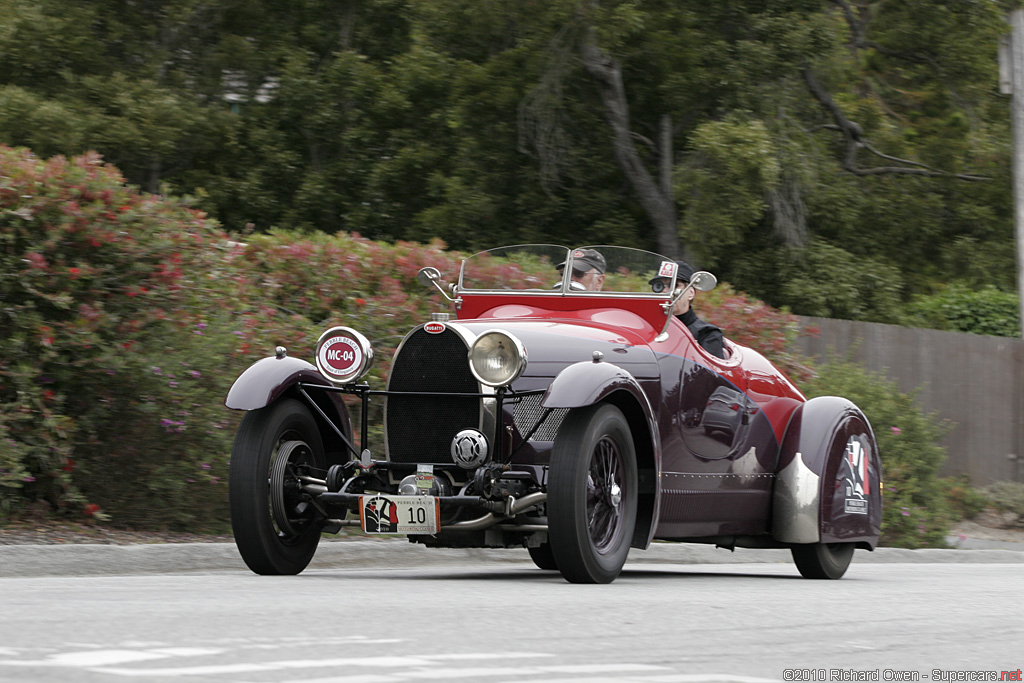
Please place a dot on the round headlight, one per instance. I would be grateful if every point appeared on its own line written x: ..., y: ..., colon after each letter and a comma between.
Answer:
x: 497, y: 358
x: 343, y: 355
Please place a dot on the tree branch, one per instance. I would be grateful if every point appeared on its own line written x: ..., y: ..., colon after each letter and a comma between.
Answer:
x: 855, y: 141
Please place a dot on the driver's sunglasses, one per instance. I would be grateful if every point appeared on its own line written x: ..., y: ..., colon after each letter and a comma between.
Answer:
x: 579, y: 273
x: 659, y: 286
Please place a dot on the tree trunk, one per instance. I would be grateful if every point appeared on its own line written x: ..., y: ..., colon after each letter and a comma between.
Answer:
x: 656, y: 200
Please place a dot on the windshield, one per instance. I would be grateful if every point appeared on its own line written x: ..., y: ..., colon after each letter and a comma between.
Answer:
x: 552, y: 269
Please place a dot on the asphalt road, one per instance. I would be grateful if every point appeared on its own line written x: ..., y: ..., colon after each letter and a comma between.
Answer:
x: 98, y: 560
x: 399, y: 615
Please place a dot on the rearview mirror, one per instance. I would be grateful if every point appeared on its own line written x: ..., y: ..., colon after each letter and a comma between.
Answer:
x: 703, y: 281
x: 431, y: 277
x: 428, y: 276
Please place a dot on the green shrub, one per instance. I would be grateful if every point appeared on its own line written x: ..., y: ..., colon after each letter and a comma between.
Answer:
x: 1007, y: 496
x: 914, y: 509
x: 100, y: 285
x: 125, y: 318
x: 964, y: 500
x: 961, y: 308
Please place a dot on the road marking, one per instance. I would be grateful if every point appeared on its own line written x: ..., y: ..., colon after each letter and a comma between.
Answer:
x: 602, y: 668
x: 187, y: 651
x: 375, y: 662
x: 95, y: 658
x: 358, y: 678
x: 481, y: 672
x: 90, y: 658
x: 383, y: 669
x: 518, y: 673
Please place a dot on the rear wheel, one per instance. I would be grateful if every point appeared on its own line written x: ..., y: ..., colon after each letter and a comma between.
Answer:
x: 592, y: 494
x: 275, y: 526
x: 823, y: 560
x: 543, y: 557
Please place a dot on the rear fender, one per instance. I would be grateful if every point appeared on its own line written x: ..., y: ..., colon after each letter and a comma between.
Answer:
x: 586, y: 383
x: 828, y: 488
x: 270, y: 379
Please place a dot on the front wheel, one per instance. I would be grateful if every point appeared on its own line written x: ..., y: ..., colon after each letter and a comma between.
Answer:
x: 592, y: 494
x: 822, y: 560
x: 275, y: 526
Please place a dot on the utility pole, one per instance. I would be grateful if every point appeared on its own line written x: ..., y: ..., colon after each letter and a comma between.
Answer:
x: 1012, y: 79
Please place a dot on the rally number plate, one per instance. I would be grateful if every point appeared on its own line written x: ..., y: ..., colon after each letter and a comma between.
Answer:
x: 384, y: 514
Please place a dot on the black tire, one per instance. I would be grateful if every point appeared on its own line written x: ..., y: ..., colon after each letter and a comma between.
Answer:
x: 592, y: 494
x: 822, y: 560
x: 275, y: 530
x: 543, y: 557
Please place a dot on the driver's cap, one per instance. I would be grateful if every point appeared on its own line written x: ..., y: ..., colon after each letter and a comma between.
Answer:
x: 683, y: 273
x: 591, y: 258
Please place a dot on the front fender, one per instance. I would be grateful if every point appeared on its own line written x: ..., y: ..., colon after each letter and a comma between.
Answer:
x: 268, y: 379
x: 828, y: 487
x: 588, y: 382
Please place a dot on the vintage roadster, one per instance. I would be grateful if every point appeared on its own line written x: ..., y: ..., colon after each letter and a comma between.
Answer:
x: 572, y: 422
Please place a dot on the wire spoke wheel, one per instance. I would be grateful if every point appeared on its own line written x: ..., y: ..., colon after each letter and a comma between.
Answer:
x: 274, y: 523
x: 604, y: 495
x: 592, y: 494
x: 291, y: 511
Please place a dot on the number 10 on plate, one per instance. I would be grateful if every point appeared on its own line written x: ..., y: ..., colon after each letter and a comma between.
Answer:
x: 386, y: 514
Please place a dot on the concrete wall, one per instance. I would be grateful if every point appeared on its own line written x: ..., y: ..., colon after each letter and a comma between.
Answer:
x: 975, y: 381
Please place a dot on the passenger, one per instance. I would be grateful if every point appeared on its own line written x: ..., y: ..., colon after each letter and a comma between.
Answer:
x: 588, y: 267
x: 707, y: 335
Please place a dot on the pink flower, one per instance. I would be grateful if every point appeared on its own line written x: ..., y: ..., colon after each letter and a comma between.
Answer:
x: 896, y: 430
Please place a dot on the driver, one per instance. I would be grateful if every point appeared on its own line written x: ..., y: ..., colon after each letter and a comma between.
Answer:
x: 706, y: 334
x: 588, y: 266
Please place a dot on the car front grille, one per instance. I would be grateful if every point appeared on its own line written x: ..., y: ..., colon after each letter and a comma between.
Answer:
x: 527, y: 412
x: 420, y: 429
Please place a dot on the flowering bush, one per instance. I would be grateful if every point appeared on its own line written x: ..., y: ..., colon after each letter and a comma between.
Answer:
x: 126, y: 317
x: 754, y: 323
x: 100, y: 284
x: 915, y: 513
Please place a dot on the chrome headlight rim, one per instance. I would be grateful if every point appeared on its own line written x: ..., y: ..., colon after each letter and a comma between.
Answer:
x: 514, y: 344
x: 331, y: 360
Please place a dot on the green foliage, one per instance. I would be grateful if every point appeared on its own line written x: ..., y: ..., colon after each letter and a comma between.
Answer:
x: 830, y: 282
x: 734, y: 153
x: 106, y: 346
x: 126, y: 317
x: 961, y: 308
x: 1007, y: 496
x: 964, y: 500
x: 915, y: 513
x: 477, y: 123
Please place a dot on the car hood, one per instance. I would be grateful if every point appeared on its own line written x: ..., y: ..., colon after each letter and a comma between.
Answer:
x: 552, y: 345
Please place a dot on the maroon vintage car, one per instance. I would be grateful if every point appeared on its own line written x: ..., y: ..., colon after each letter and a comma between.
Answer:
x: 577, y: 422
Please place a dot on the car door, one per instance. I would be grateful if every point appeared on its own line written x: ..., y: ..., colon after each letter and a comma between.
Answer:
x: 713, y: 481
